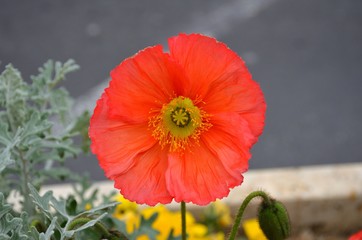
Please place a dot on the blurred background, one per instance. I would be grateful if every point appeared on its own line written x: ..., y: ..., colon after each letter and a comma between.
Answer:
x: 306, y: 55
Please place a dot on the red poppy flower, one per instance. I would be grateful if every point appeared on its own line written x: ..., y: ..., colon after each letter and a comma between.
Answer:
x: 178, y: 125
x: 356, y: 236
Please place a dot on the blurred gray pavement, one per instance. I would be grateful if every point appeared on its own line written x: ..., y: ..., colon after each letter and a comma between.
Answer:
x: 306, y: 55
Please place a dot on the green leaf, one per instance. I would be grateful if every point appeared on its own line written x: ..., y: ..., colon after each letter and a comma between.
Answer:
x: 13, y: 95
x: 95, y: 210
x: 10, y: 227
x: 33, y: 233
x: 60, y: 207
x: 81, y: 126
x: 65, y: 145
x: 60, y: 103
x: 13, y: 227
x: 5, y: 137
x: 71, y: 205
x: 146, y: 228
x: 5, y: 159
x: 41, y: 201
x: 4, y: 208
x: 121, y: 226
x: 50, y: 231
x: 59, y: 173
x: 50, y: 74
x: 11, y: 86
x: 171, y: 237
x: 91, y: 223
x: 62, y: 69
x: 35, y: 125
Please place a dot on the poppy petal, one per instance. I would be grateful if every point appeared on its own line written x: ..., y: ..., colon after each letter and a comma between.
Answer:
x: 222, y: 157
x: 233, y: 130
x: 205, y: 60
x: 115, y: 143
x: 244, y: 97
x: 142, y: 83
x: 219, y: 76
x: 230, y: 140
x: 198, y: 176
x: 145, y: 181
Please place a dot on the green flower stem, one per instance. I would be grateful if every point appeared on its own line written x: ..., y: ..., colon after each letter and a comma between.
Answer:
x: 28, y: 203
x: 183, y: 219
x: 245, y: 203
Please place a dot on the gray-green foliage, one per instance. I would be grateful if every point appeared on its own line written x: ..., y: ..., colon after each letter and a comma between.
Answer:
x: 65, y: 223
x: 9, y: 226
x: 36, y: 138
x: 31, y: 151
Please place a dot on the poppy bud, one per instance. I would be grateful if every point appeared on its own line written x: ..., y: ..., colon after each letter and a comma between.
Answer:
x: 274, y: 220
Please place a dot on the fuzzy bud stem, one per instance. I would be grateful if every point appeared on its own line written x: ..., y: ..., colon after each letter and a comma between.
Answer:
x: 245, y: 203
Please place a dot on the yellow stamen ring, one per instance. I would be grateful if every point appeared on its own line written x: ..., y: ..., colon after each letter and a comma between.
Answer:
x: 178, y: 123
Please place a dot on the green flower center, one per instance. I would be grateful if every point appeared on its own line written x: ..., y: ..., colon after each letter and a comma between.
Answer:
x: 180, y: 117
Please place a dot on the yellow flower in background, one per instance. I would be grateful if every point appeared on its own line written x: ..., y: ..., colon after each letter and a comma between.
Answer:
x: 197, y: 231
x: 222, y: 211
x: 217, y: 218
x: 167, y: 221
x: 163, y: 223
x: 124, y: 207
x: 127, y: 212
x: 217, y: 236
x: 132, y: 221
x: 252, y: 230
x: 87, y: 206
